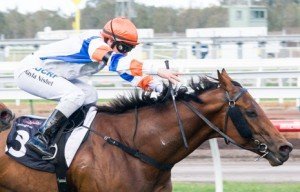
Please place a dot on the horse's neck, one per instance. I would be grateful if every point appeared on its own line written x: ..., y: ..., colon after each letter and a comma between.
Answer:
x: 160, y: 137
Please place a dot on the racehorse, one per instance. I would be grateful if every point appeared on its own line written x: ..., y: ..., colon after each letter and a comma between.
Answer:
x: 148, y: 127
x: 5, y: 117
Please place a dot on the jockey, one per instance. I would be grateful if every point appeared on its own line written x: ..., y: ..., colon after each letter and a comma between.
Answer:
x: 52, y: 72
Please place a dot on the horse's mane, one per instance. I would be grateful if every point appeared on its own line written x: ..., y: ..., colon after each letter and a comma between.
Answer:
x: 134, y: 100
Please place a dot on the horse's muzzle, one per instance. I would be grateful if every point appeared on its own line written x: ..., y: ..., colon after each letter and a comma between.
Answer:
x: 284, y: 151
x: 281, y: 156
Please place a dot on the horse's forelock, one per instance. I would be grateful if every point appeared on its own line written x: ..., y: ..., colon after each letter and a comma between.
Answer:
x: 202, y: 84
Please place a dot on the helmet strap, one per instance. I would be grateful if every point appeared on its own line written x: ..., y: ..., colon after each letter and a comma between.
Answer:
x: 114, y: 37
x: 112, y: 31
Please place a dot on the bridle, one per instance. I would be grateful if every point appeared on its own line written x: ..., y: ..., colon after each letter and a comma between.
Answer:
x: 238, y: 120
x: 6, y: 116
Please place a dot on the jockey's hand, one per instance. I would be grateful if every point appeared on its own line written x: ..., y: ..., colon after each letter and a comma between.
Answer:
x: 156, y: 85
x: 169, y: 74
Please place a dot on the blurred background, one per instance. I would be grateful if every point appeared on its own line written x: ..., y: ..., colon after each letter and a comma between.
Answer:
x: 256, y: 41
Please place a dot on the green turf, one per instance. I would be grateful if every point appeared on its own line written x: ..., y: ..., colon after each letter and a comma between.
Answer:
x: 237, y: 187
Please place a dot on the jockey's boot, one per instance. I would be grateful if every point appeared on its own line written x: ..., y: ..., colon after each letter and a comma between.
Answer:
x: 40, y: 142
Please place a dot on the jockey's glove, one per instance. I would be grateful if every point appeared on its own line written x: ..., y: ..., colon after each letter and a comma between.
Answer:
x: 156, y: 85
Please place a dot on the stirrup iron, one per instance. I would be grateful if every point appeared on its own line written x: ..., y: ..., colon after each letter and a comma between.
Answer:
x: 47, y: 158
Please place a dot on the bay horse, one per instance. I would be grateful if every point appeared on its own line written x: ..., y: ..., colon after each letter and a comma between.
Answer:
x: 148, y: 126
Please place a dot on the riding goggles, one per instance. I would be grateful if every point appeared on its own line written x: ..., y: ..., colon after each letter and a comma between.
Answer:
x: 125, y: 47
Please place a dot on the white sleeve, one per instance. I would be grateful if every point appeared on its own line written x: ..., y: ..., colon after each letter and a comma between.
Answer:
x: 149, y: 67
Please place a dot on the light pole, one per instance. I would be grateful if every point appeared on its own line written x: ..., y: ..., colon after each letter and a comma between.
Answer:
x: 76, y: 23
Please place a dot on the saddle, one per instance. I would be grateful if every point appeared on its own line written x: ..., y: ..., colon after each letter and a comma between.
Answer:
x: 74, y: 134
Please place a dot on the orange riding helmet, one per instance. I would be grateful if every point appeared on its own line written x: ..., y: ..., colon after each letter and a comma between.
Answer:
x: 121, y: 29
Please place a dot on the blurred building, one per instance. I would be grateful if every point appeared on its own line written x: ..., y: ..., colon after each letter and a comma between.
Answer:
x: 247, y: 13
x: 247, y: 16
x: 125, y: 8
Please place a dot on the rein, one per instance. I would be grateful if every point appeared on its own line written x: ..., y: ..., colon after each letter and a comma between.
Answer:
x: 180, y: 125
x: 210, y: 124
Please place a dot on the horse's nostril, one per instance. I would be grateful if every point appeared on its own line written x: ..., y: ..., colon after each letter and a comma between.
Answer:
x: 285, y: 149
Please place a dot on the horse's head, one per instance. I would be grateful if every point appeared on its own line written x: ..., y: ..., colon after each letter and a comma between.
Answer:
x: 6, y: 116
x: 249, y: 126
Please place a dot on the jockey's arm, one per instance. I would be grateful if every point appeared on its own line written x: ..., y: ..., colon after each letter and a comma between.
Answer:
x: 133, y: 70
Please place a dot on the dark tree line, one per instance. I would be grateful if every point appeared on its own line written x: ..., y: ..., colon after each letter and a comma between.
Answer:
x: 282, y: 14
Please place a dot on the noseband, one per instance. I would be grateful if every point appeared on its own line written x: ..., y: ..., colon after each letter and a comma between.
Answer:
x: 239, y: 121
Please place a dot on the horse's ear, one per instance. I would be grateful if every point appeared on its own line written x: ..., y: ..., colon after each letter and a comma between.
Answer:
x: 225, y: 80
x: 224, y: 72
x: 220, y: 78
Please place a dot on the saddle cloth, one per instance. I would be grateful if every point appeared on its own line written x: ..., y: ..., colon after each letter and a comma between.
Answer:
x: 25, y: 127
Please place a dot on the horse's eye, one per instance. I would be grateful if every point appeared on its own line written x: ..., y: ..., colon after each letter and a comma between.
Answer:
x: 251, y: 113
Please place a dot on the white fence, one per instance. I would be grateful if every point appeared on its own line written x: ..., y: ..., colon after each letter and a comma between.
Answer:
x: 264, y: 78
x: 242, y: 47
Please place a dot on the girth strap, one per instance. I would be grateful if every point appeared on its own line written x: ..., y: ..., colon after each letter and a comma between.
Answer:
x: 61, y: 167
x: 135, y: 153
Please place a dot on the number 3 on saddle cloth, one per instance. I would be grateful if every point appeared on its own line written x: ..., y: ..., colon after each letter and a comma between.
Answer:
x: 25, y: 127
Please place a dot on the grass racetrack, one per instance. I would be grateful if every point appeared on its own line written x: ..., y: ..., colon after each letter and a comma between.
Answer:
x: 237, y: 187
